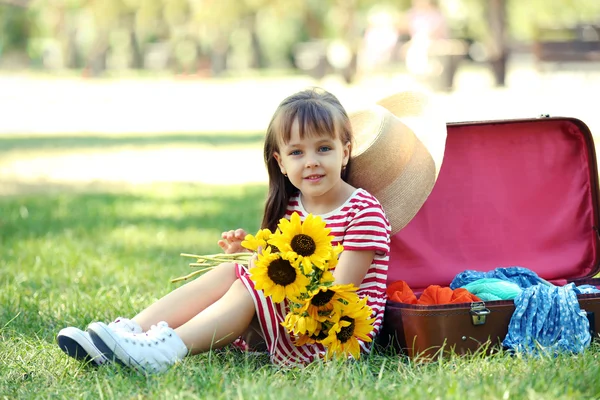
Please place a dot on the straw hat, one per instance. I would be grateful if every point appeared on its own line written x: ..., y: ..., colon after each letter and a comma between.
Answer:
x: 397, y: 155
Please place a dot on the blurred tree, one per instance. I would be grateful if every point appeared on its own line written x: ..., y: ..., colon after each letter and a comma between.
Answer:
x: 14, y: 25
x: 498, y: 43
x: 107, y: 15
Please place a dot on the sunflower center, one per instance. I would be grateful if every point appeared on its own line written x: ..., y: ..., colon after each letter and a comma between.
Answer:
x: 281, y: 272
x: 303, y: 245
x: 346, y: 332
x: 322, y: 298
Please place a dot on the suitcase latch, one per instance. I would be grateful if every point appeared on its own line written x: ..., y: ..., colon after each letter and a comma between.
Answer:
x: 479, y: 312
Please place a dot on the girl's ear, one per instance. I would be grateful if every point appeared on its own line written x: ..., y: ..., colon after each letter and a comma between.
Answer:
x: 346, y: 158
x: 278, y: 158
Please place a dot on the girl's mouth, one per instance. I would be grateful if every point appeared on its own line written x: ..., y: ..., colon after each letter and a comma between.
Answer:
x: 313, y: 177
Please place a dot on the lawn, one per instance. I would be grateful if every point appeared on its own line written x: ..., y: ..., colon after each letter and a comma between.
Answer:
x: 69, y: 257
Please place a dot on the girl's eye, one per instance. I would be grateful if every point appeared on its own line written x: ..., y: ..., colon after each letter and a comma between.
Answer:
x: 324, y: 148
x: 295, y: 153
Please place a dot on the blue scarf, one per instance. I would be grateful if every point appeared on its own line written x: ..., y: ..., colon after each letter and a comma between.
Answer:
x: 548, y: 319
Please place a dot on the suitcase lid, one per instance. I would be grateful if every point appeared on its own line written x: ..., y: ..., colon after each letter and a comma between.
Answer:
x: 510, y: 193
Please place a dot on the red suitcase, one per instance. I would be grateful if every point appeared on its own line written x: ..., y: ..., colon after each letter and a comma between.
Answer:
x: 509, y: 193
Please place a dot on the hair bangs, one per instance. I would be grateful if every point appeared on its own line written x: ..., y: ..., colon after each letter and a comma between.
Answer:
x: 315, y: 118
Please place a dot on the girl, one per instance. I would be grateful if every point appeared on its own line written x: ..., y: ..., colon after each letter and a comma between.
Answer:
x: 307, y: 152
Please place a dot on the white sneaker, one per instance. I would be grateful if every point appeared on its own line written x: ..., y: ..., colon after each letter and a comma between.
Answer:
x: 78, y: 344
x: 151, y: 352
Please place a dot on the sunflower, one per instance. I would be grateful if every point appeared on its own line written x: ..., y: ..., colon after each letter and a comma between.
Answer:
x: 308, y: 242
x: 326, y: 301
x: 277, y: 277
x: 253, y: 243
x: 355, y: 323
x: 300, y: 323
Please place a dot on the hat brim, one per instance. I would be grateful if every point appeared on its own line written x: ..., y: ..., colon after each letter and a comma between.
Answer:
x: 392, y: 164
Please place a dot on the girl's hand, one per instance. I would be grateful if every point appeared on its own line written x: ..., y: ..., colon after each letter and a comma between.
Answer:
x: 231, y: 241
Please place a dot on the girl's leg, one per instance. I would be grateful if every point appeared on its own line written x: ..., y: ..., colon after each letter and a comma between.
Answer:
x: 220, y: 323
x: 159, y: 348
x: 187, y: 301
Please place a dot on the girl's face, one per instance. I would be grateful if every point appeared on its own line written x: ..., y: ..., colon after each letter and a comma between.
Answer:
x: 313, y: 164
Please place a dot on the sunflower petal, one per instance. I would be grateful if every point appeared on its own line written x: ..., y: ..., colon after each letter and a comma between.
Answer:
x: 307, y: 267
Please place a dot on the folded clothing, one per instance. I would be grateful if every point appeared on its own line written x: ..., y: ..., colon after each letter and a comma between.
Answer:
x: 521, y: 276
x: 400, y: 292
x: 586, y: 289
x: 488, y: 289
x: 435, y: 294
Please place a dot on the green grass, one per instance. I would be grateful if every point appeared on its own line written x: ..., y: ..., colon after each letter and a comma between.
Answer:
x: 73, y: 258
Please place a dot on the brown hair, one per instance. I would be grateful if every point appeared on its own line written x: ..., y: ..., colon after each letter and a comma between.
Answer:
x: 318, y: 113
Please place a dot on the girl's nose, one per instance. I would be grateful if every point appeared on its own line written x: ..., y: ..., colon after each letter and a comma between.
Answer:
x: 311, y: 163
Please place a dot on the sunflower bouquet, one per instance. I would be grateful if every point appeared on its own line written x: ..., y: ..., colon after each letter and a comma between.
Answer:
x: 294, y: 264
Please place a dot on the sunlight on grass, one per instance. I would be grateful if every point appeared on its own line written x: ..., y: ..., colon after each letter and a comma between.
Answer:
x: 38, y: 163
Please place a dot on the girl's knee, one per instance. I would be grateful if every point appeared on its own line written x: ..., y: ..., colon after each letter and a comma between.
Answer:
x: 227, y: 269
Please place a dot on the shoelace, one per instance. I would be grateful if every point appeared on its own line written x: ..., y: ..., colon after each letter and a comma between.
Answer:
x: 159, y: 326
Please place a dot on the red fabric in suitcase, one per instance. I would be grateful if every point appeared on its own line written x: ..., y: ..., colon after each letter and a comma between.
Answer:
x: 509, y: 193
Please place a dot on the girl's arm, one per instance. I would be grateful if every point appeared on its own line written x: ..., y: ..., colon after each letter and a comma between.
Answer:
x: 353, y: 266
x: 366, y: 238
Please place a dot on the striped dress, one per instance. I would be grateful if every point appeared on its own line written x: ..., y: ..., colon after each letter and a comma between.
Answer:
x: 359, y: 224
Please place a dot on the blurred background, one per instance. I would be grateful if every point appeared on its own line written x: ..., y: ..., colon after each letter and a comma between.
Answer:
x: 353, y: 38
x: 107, y: 67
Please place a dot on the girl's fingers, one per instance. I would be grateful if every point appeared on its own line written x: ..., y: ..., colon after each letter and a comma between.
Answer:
x: 230, y: 236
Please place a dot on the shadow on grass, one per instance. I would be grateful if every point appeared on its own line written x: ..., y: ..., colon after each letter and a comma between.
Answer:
x: 171, y: 207
x: 70, y: 142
